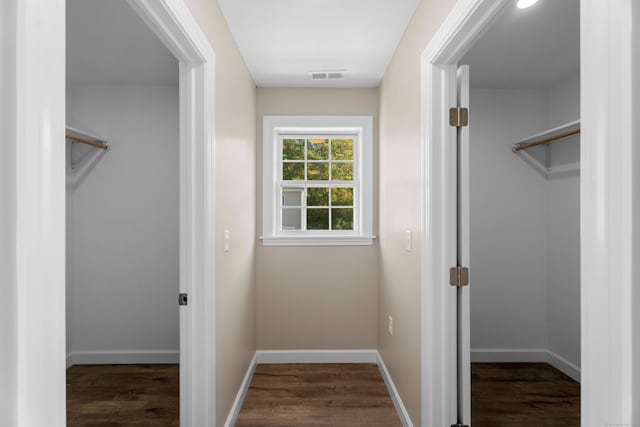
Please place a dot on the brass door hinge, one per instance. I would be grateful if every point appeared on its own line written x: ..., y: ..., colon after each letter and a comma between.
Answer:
x: 459, y: 116
x: 459, y: 276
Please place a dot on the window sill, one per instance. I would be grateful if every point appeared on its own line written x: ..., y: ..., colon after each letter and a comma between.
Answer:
x: 317, y: 240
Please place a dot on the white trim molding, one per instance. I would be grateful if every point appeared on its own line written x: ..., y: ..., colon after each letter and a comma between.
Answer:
x: 316, y: 356
x: 608, y: 221
x: 242, y: 392
x: 173, y: 23
x: 40, y: 212
x: 361, y: 127
x: 122, y: 357
x: 393, y: 392
x: 463, y: 26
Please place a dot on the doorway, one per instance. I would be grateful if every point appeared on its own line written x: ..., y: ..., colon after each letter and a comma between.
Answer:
x: 122, y: 113
x: 189, y: 175
x: 519, y: 222
x: 605, y: 190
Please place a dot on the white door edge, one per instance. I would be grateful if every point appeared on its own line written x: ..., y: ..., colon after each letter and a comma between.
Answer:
x: 173, y: 23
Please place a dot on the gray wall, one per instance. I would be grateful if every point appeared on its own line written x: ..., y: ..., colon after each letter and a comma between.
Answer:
x: 8, y: 314
x: 563, y: 234
x: 122, y: 218
x: 525, y: 228
x: 636, y: 207
x: 508, y: 223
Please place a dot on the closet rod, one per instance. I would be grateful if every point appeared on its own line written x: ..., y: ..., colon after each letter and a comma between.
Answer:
x: 546, y: 140
x: 88, y: 142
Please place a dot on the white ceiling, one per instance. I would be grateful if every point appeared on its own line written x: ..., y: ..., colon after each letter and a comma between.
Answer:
x: 107, y: 42
x: 282, y: 40
x: 528, y: 48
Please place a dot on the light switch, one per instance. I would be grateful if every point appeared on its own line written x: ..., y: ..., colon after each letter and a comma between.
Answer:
x: 409, y: 241
x: 225, y: 240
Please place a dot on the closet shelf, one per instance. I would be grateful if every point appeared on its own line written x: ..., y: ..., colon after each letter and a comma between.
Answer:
x: 545, y: 138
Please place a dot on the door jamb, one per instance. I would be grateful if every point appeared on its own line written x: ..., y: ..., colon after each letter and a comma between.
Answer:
x: 464, y: 25
x: 607, y: 243
x: 173, y: 23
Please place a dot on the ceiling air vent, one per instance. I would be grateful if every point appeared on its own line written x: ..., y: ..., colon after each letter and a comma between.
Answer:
x: 327, y: 75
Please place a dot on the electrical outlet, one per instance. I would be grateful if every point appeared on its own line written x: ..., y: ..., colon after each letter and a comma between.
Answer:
x: 390, y: 325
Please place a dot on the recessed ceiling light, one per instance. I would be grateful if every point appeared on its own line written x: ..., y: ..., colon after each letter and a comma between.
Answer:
x: 523, y: 4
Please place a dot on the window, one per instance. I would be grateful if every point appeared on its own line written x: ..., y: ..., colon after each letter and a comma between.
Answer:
x: 317, y: 180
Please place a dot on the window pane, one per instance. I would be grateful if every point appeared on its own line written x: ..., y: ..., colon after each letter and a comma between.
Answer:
x: 293, y: 171
x: 342, y: 149
x: 292, y: 197
x: 292, y: 219
x: 342, y: 196
x: 317, y: 219
x: 318, y: 149
x: 318, y: 171
x: 317, y: 197
x: 342, y: 219
x: 342, y: 171
x: 293, y: 149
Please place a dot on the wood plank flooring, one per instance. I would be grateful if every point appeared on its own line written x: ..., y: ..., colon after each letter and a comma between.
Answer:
x: 523, y: 394
x: 300, y: 395
x: 345, y: 395
x: 123, y: 395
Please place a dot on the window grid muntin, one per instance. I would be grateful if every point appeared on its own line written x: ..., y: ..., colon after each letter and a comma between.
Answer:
x: 330, y: 136
x: 307, y: 183
x: 303, y: 186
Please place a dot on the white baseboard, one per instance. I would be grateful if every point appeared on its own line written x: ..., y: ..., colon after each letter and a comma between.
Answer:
x: 508, y: 355
x: 503, y: 355
x: 122, y: 357
x: 563, y: 365
x: 316, y: 356
x: 244, y: 387
x: 393, y: 392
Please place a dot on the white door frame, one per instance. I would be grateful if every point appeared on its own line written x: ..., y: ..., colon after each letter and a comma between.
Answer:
x: 40, y: 208
x: 175, y: 26
x: 606, y: 210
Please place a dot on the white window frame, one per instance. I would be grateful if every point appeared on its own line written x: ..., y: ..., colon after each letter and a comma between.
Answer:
x: 277, y: 127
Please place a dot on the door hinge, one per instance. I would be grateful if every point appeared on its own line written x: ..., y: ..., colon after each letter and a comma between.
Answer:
x: 182, y: 299
x: 459, y: 116
x: 459, y: 276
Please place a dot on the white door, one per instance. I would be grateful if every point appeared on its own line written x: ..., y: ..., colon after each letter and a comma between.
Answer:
x: 464, y: 353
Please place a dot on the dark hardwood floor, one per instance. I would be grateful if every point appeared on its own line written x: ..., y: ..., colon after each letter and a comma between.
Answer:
x: 523, y: 394
x: 344, y: 395
x: 123, y: 395
x: 338, y: 395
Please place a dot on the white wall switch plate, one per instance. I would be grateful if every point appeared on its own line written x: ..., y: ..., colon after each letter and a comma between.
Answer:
x: 225, y: 240
x: 408, y: 241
